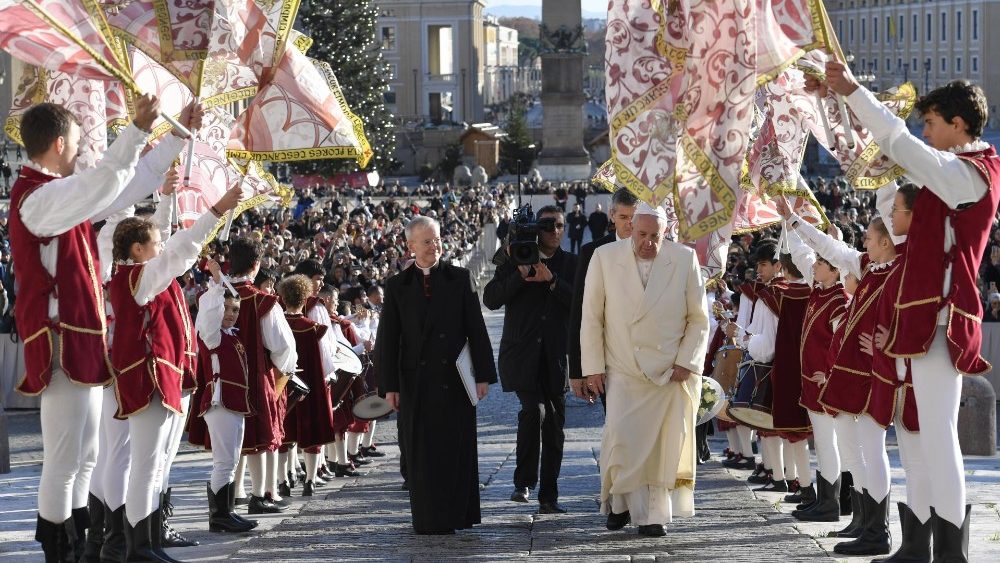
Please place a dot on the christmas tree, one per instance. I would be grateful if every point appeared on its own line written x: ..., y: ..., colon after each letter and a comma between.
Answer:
x: 516, y: 150
x: 343, y: 34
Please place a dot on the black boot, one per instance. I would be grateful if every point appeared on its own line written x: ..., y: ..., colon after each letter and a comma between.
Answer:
x: 853, y: 529
x: 95, y: 533
x: 846, y: 486
x: 951, y: 544
x: 916, y: 546
x: 114, y: 548
x: 81, y: 523
x: 284, y: 489
x: 760, y: 476
x: 804, y: 496
x: 220, y: 517
x: 827, y: 505
x: 804, y: 505
x: 874, y: 538
x: 169, y: 537
x: 57, y: 540
x: 231, y: 495
x: 142, y: 539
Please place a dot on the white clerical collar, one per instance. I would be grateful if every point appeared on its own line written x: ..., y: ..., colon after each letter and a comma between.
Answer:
x: 975, y: 146
x: 426, y: 271
x: 543, y: 256
x: 39, y: 168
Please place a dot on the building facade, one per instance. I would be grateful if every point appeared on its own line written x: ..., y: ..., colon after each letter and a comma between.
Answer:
x: 927, y: 42
x: 500, y: 74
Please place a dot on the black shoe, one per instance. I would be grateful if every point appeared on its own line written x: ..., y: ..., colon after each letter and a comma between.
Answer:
x: 520, y: 494
x: 260, y: 505
x: 328, y: 467
x: 618, y: 521
x: 57, y: 540
x: 346, y: 470
x: 322, y: 478
x: 372, y: 452
x: 951, y: 544
x: 242, y: 501
x: 231, y: 495
x: 280, y: 503
x: 736, y: 460
x: 405, y: 486
x: 550, y: 507
x: 81, y: 523
x: 805, y: 495
x: 773, y: 487
x: 874, y: 538
x: 95, y: 533
x: 142, y: 540
x: 826, y: 507
x: 220, y: 518
x: 760, y: 476
x: 358, y: 459
x: 652, y: 530
x: 290, y: 479
x: 853, y: 529
x: 434, y: 532
x: 916, y: 546
x: 114, y: 548
x: 284, y: 490
x: 307, y: 489
x: 745, y: 464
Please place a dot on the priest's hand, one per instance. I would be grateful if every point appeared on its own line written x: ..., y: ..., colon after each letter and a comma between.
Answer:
x: 393, y: 400
x: 866, y: 343
x: 482, y: 389
x: 680, y: 374
x: 595, y: 384
x: 881, y: 337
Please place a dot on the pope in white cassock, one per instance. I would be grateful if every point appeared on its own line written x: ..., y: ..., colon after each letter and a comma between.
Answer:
x: 643, y: 338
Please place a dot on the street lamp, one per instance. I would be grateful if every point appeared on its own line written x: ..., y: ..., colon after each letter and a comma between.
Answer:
x: 927, y: 75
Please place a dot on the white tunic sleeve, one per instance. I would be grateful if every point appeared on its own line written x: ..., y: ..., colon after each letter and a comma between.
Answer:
x: 161, y: 217
x: 802, y: 255
x: 179, y: 254
x: 279, y: 340
x: 942, y: 172
x: 763, y: 330
x: 211, y: 308
x: 327, y: 350
x: 840, y: 254
x: 149, y: 174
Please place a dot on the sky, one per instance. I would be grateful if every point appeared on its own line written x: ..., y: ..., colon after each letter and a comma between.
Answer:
x: 589, y: 5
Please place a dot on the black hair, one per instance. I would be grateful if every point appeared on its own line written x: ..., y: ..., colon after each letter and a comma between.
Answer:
x: 909, y: 192
x: 623, y: 196
x: 309, y: 268
x: 244, y: 253
x: 958, y: 98
x: 765, y: 251
x: 548, y: 209
x: 789, y: 266
x: 42, y: 124
x: 263, y: 275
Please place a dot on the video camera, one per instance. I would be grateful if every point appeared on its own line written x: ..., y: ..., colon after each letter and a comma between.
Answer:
x: 521, y: 247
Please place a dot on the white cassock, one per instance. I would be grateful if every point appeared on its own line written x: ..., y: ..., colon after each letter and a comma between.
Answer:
x: 639, y: 320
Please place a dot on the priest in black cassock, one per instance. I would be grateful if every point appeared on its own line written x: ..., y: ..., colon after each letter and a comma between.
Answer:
x: 429, y: 312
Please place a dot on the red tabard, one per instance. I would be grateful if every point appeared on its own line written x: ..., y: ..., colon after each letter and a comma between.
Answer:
x: 310, y: 423
x: 848, y: 388
x: 886, y: 383
x: 825, y: 306
x: 233, y: 376
x: 919, y: 298
x: 343, y: 417
x: 82, y: 324
x: 263, y: 429
x: 788, y: 301
x: 153, y: 343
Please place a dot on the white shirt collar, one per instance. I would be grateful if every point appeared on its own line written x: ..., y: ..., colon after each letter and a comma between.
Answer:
x: 39, y: 168
x: 975, y: 146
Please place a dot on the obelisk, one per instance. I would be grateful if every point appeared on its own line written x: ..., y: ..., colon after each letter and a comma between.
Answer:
x: 563, y: 47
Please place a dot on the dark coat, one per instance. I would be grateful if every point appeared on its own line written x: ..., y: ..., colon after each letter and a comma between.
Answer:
x: 598, y: 224
x: 536, y: 319
x: 419, y: 339
x: 576, y: 224
x: 576, y: 308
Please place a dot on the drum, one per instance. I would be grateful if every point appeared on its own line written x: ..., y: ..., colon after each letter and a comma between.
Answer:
x: 752, y: 404
x: 726, y: 367
x: 340, y: 388
x: 371, y: 407
x: 344, y: 359
x: 297, y: 390
x: 359, y: 388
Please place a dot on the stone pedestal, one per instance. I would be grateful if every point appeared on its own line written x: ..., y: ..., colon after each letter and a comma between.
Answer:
x: 977, y: 417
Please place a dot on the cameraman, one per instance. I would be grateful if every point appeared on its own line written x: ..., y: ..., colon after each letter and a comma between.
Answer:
x: 532, y: 356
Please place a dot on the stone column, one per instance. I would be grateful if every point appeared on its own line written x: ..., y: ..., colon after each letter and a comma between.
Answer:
x: 563, y: 47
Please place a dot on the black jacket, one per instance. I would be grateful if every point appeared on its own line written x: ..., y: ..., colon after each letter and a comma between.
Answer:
x: 535, y: 322
x: 576, y: 309
x: 417, y: 335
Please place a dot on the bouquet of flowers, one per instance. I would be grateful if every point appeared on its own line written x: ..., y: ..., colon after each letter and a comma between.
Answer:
x: 712, y: 400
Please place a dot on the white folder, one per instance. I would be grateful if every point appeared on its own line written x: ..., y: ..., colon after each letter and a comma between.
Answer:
x: 467, y: 373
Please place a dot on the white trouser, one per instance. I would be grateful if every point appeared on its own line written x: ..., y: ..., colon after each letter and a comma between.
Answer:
x: 370, y: 435
x: 938, y: 388
x: 798, y: 455
x: 70, y: 415
x: 148, y: 431
x: 174, y: 438
x: 225, y: 429
x: 746, y: 441
x: 851, y: 456
x: 871, y: 436
x: 911, y: 454
x: 825, y: 441
x: 648, y: 504
x: 774, y: 456
x: 114, y: 458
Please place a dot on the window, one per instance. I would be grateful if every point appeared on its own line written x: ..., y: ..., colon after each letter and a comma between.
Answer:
x: 975, y: 25
x: 944, y: 26
x: 975, y: 65
x: 850, y: 30
x: 958, y: 64
x: 913, y: 64
x: 388, y: 38
x: 389, y: 98
x: 913, y: 30
x: 900, y: 29
x: 929, y: 27
x: 958, y: 25
x: 874, y: 30
x: 944, y: 64
x: 899, y: 64
x: 864, y: 28
x: 874, y: 64
x: 888, y: 65
x: 840, y: 30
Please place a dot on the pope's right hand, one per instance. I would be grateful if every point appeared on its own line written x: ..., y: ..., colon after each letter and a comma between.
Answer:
x: 393, y: 399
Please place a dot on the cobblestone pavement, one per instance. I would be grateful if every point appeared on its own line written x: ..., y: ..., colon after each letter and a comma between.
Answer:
x: 367, y: 518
